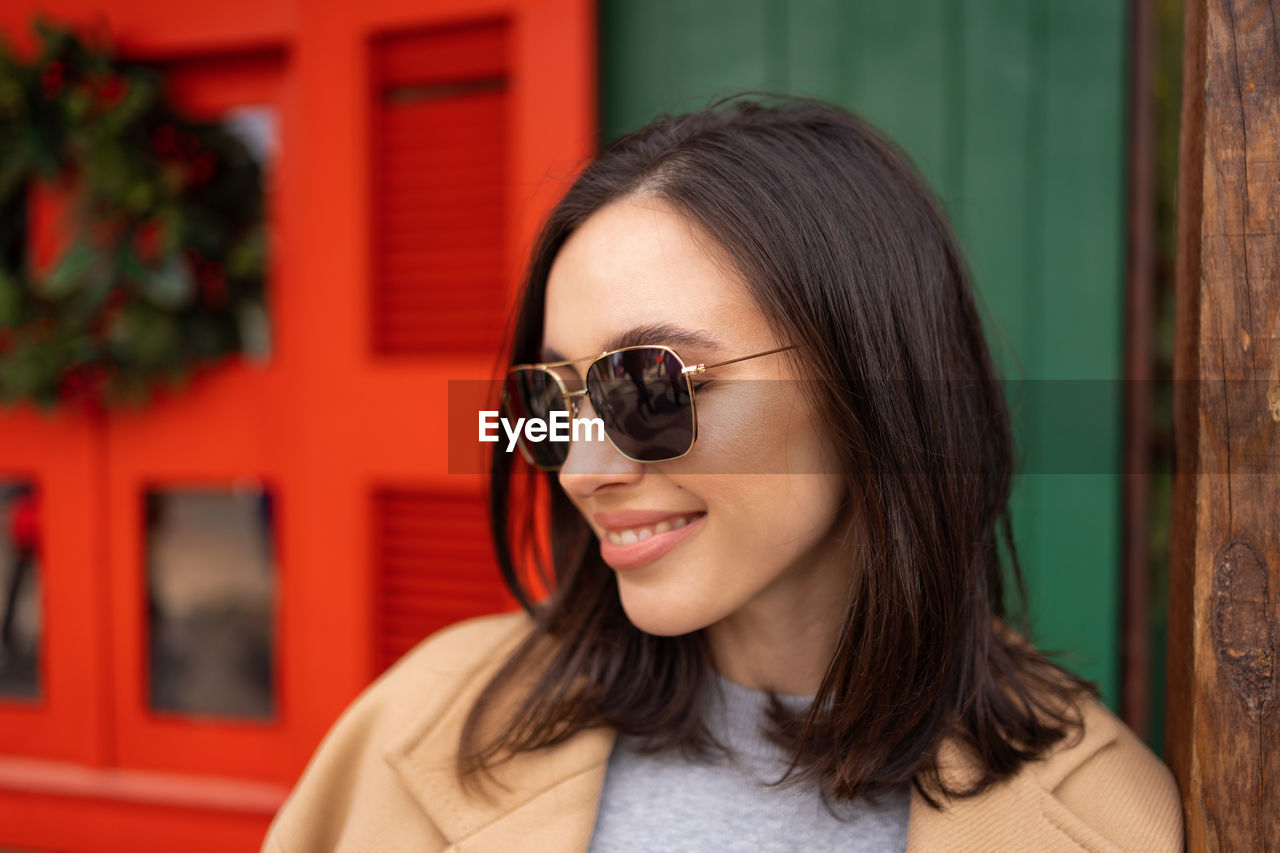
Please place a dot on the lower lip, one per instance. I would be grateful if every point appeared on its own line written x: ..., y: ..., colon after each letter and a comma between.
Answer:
x: 646, y: 551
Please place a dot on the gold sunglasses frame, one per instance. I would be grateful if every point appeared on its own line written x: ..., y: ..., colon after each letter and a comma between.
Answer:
x: 575, y: 405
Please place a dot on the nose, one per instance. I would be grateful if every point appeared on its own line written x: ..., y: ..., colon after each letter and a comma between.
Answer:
x: 594, y: 464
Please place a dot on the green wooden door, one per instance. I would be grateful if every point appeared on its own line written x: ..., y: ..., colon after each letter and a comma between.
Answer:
x: 1015, y: 112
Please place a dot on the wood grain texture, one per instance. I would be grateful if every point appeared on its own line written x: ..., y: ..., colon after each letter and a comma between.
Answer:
x: 1223, y: 727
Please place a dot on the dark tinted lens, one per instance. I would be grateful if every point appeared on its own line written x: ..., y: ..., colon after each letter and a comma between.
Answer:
x: 531, y: 393
x: 643, y: 399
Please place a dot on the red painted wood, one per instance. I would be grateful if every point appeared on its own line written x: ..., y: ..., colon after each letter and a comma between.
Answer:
x: 329, y: 422
x: 475, y: 50
x: 233, y: 424
x: 440, y: 152
x: 433, y: 566
x: 63, y: 456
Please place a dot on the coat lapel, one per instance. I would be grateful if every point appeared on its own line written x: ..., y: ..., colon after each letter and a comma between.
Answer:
x: 1018, y: 814
x: 535, y: 801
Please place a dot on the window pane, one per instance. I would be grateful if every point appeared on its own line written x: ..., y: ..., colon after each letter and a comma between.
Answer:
x: 257, y: 126
x: 19, y: 589
x: 211, y: 573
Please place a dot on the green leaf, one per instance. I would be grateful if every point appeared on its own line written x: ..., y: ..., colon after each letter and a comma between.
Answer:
x: 130, y: 265
x: 29, y: 369
x: 248, y: 256
x: 77, y: 104
x: 10, y: 97
x: 140, y: 97
x: 71, y: 272
x: 140, y: 197
x: 154, y: 338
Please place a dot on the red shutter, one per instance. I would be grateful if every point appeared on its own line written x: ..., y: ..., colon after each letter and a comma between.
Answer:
x: 438, y: 181
x: 433, y: 566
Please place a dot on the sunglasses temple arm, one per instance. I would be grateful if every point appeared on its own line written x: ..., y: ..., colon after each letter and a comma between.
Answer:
x: 699, y: 368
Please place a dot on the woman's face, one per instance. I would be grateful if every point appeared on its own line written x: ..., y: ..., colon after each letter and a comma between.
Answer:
x: 761, y: 548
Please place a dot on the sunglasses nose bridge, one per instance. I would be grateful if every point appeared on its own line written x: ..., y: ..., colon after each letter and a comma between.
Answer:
x: 575, y: 404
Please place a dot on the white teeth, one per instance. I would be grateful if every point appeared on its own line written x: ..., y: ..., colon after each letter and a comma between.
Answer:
x: 637, y: 534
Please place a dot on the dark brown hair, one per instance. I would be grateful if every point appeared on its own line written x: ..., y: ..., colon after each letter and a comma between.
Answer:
x: 848, y: 254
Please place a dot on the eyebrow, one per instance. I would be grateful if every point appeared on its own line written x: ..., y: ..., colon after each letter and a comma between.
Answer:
x: 652, y: 333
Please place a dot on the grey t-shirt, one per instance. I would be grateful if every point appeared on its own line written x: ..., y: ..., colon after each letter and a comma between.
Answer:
x: 668, y: 803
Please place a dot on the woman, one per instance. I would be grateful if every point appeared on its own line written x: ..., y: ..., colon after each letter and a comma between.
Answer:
x: 776, y: 618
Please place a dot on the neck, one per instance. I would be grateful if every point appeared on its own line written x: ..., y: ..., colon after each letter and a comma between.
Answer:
x: 769, y: 657
x: 784, y: 639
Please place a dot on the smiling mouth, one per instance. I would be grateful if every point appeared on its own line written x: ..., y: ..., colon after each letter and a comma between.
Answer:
x: 632, y: 535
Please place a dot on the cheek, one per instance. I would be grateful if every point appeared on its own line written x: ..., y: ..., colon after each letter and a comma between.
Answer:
x: 782, y: 494
x: 761, y: 427
x: 741, y: 430
x: 767, y: 473
x: 771, y: 520
x: 805, y: 505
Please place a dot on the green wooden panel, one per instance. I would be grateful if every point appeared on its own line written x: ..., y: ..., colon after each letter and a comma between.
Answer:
x: 1077, y: 325
x: 996, y: 186
x: 660, y: 56
x: 1014, y: 111
x: 892, y: 64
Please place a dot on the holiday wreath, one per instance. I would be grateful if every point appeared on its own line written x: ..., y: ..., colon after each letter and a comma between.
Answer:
x: 163, y: 267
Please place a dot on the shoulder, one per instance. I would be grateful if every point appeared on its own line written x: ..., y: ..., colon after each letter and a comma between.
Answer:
x: 1100, y: 790
x: 423, y: 682
x: 347, y: 779
x: 1112, y: 782
x: 1107, y: 779
x: 451, y: 656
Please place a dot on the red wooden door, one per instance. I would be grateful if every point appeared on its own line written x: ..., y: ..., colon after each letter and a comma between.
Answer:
x: 412, y: 147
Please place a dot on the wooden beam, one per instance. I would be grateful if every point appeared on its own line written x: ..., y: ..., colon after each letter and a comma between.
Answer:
x: 1223, y: 733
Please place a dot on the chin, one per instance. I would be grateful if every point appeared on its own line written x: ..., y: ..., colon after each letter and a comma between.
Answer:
x: 661, y: 615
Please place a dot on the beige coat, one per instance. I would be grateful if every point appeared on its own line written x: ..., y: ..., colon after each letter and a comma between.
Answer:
x: 382, y: 780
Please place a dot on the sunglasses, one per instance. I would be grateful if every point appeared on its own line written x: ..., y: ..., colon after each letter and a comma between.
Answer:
x: 642, y: 394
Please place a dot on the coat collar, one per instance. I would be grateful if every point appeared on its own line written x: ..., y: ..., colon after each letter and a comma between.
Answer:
x: 542, y: 800
x: 547, y: 800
